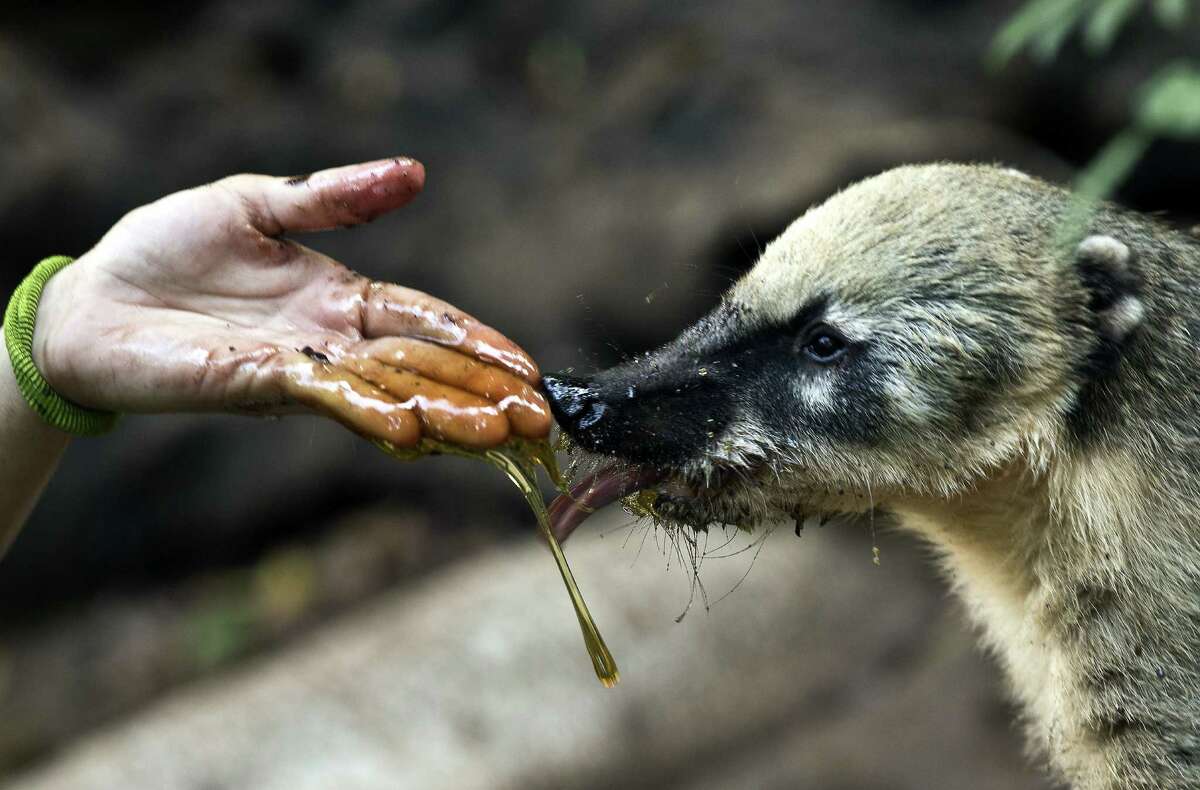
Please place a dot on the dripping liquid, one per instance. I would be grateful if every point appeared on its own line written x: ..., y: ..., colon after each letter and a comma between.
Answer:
x: 519, y: 459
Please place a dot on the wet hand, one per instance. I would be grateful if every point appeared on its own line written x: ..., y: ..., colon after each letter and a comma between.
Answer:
x: 199, y: 302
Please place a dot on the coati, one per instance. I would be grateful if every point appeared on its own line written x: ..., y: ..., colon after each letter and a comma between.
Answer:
x: 1012, y: 379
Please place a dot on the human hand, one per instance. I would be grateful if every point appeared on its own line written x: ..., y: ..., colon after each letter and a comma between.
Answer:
x: 198, y: 302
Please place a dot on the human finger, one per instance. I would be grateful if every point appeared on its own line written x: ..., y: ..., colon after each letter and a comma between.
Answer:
x: 359, y: 405
x: 333, y: 198
x: 396, y: 311
x: 525, y: 407
x: 445, y: 412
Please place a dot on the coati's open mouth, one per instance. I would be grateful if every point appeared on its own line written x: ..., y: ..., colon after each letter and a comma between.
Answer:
x: 659, y: 436
x: 672, y: 497
x: 596, y: 490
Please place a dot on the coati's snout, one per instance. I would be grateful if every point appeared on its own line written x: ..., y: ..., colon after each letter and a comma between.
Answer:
x: 619, y: 418
x: 681, y: 405
x: 648, y: 411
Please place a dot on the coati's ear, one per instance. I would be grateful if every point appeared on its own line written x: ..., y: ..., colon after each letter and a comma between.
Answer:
x: 1105, y: 267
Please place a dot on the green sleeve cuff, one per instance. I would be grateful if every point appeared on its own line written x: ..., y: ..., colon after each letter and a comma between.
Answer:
x: 19, y: 321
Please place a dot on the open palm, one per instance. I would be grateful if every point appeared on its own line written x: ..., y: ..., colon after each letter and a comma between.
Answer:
x: 199, y: 302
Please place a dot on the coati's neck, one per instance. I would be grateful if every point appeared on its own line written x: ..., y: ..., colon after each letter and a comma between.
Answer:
x: 1087, y: 589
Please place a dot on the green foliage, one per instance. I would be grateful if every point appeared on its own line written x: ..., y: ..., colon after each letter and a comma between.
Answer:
x: 1106, y: 23
x: 1171, y: 13
x: 1167, y: 105
x: 1042, y: 26
x: 1110, y: 167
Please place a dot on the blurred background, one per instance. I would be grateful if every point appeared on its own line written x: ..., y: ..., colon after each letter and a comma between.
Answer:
x: 218, y: 602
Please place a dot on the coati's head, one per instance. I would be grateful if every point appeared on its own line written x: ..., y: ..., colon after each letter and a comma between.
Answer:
x: 917, y: 331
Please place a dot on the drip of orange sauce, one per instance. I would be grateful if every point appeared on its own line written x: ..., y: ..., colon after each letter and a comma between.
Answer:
x: 519, y: 459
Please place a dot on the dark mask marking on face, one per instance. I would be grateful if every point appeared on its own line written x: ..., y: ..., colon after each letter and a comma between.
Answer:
x: 673, y: 404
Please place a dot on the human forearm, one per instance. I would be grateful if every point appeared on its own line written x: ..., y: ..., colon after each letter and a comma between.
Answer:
x: 29, y: 451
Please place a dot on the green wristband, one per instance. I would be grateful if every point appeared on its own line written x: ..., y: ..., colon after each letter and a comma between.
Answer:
x: 19, y: 320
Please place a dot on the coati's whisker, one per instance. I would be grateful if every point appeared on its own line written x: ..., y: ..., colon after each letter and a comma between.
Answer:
x: 761, y: 541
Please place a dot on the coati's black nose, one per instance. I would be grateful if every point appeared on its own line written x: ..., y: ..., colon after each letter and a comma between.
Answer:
x: 616, y: 413
x: 582, y: 411
x: 572, y: 400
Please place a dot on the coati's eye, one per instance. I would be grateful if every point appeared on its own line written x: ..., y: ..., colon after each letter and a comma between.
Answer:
x: 824, y: 345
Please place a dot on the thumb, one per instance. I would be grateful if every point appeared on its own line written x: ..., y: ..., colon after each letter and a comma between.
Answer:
x: 333, y: 198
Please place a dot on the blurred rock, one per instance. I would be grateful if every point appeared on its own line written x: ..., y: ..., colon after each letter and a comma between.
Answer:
x: 83, y: 668
x: 820, y: 670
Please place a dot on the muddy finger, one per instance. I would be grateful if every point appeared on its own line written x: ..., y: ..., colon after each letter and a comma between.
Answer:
x: 392, y: 310
x: 355, y: 403
x: 525, y: 407
x: 445, y: 412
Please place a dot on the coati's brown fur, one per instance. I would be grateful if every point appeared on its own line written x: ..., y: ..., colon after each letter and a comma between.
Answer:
x: 1027, y: 401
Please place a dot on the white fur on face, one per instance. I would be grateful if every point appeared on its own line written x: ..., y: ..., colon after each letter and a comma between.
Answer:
x: 912, y: 402
x: 815, y: 392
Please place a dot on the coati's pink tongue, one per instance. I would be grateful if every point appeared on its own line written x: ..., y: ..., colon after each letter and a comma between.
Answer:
x: 595, y: 491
